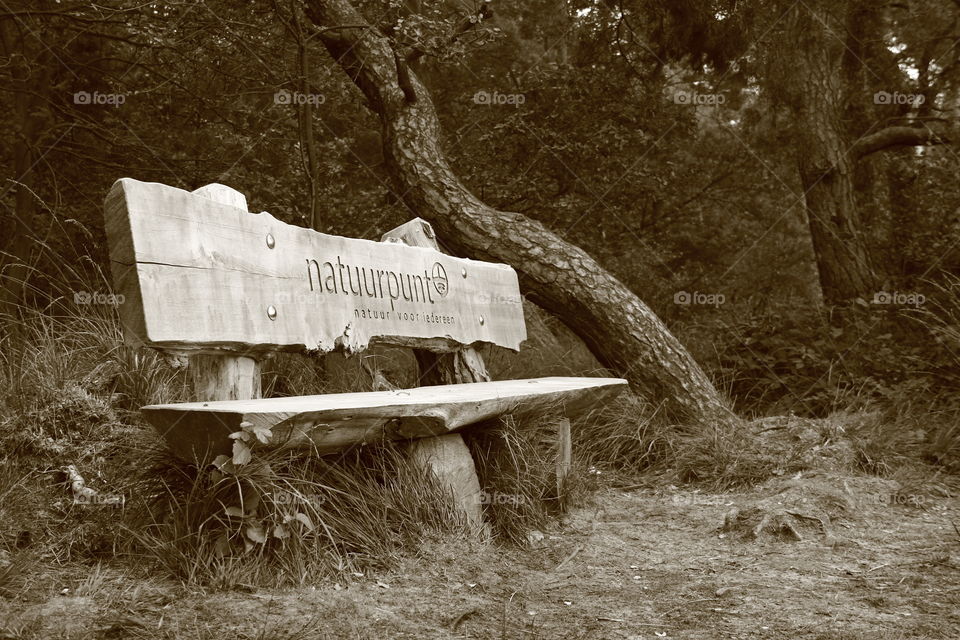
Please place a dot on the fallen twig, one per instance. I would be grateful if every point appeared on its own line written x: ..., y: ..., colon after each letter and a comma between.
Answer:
x: 570, y: 557
x: 463, y: 616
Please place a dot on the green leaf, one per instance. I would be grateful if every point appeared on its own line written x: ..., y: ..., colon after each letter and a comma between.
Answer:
x: 225, y: 465
x: 250, y: 499
x: 256, y: 534
x: 222, y: 546
x: 263, y: 434
x: 305, y: 520
x: 241, y: 453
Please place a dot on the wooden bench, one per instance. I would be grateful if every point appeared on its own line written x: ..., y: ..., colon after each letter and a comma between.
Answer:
x: 209, y: 283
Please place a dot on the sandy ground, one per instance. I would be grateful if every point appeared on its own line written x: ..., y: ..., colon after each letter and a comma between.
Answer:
x: 873, y: 561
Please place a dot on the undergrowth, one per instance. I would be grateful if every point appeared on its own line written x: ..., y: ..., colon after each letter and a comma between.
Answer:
x: 70, y: 389
x: 285, y: 518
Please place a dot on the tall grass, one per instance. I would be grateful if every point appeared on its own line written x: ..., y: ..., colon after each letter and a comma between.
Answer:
x: 287, y: 518
x: 516, y: 460
x: 69, y: 391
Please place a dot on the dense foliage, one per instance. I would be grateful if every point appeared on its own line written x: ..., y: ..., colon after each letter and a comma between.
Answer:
x: 662, y: 137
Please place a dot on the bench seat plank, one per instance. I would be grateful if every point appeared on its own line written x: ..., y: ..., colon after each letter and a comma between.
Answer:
x: 327, y: 423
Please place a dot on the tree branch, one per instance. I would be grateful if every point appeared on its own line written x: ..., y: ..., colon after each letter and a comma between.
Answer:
x: 896, y: 137
x: 468, y: 23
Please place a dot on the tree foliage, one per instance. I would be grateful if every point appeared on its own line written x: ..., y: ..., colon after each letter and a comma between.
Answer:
x: 606, y: 139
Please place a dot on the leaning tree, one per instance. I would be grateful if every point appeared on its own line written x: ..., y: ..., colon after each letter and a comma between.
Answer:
x: 623, y: 333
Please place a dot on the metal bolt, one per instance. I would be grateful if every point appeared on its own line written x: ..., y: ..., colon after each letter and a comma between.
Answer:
x: 272, y: 312
x: 463, y: 272
x: 271, y: 243
x: 481, y: 320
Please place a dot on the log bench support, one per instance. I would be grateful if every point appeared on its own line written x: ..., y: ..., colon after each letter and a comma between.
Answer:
x: 447, y: 457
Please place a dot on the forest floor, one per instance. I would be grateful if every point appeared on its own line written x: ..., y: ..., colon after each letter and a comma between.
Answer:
x: 875, y: 558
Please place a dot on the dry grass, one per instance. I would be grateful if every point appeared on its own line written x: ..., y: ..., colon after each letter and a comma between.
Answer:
x: 69, y: 390
x: 516, y: 459
x: 286, y: 518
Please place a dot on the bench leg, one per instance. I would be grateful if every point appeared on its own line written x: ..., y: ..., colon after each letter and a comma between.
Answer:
x: 449, y: 459
x: 564, y: 453
x: 224, y: 378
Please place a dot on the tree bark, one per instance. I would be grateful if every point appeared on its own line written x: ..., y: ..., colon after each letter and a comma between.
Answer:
x: 624, y: 334
x: 825, y: 159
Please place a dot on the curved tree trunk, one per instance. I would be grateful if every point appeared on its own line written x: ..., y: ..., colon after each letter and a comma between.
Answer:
x: 624, y: 334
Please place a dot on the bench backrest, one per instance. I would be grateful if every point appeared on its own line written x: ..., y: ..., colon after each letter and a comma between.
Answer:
x: 203, y: 276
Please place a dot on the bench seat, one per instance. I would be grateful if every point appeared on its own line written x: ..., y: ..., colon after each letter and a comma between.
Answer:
x: 328, y: 423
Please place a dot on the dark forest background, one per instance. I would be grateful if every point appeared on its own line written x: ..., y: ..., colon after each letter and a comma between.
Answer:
x: 778, y: 184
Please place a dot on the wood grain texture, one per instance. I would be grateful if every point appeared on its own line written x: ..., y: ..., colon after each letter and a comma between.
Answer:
x: 201, y: 276
x: 462, y: 365
x: 327, y: 423
x: 223, y: 377
x: 448, y: 459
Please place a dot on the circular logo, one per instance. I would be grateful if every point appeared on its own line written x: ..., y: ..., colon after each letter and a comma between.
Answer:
x: 440, y: 282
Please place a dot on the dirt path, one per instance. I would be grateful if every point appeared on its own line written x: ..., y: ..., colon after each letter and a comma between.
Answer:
x: 872, y: 563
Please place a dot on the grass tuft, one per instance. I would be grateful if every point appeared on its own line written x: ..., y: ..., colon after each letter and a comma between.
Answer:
x: 286, y: 518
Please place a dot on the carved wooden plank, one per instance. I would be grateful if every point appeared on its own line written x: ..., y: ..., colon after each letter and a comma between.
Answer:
x: 204, y: 276
x: 327, y: 423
